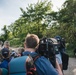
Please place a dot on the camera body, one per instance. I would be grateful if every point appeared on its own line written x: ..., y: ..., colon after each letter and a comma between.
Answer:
x: 48, y: 47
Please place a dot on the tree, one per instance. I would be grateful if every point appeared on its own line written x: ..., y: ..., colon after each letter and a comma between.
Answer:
x: 31, y: 19
x: 6, y: 33
x: 66, y: 19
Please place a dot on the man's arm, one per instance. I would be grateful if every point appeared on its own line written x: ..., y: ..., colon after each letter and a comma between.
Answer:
x: 58, y: 68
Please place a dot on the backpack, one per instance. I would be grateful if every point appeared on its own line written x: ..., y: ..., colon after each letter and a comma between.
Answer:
x: 23, y: 66
x: 3, y: 71
x: 65, y: 60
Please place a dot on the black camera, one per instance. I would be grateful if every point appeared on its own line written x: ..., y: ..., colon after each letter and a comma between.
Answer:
x: 48, y: 47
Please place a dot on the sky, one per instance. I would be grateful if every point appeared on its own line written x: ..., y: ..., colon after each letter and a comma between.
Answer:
x: 10, y: 9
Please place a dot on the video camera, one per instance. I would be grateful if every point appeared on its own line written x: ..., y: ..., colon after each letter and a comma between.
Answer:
x: 48, y: 47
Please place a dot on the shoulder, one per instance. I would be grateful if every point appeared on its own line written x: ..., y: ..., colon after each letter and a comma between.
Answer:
x: 44, y: 60
x: 45, y: 66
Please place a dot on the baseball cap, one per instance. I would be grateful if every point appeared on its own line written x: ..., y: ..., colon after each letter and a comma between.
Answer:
x: 5, y: 52
x: 58, y: 38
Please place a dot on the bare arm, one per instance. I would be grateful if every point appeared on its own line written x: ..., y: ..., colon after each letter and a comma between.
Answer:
x: 58, y: 68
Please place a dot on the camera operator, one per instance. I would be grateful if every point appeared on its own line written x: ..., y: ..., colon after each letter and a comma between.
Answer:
x: 62, y: 54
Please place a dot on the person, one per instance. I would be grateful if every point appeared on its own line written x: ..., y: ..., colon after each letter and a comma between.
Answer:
x: 58, y: 56
x: 20, y: 51
x: 43, y: 65
x: 3, y: 71
x: 1, y: 43
x: 13, y: 54
x: 6, y: 44
x: 63, y: 45
x: 5, y: 54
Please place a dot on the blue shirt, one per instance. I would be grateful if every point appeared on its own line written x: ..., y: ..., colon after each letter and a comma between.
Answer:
x: 43, y: 65
x: 4, y: 64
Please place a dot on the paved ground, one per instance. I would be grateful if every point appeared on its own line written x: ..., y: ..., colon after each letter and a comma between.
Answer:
x: 71, y: 68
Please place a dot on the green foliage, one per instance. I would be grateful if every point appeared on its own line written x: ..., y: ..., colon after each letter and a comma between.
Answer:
x: 31, y: 20
x: 65, y: 25
x: 15, y: 42
x: 6, y: 33
x: 41, y: 20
